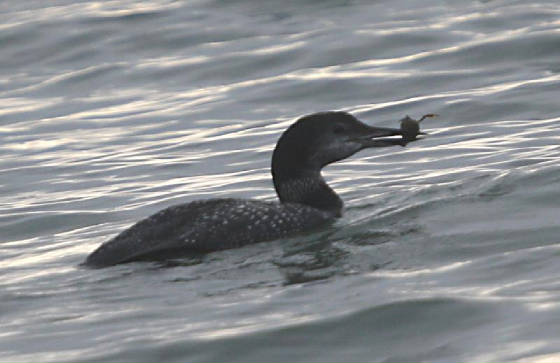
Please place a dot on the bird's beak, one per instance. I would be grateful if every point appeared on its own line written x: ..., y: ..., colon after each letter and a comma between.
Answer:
x: 369, y: 135
x: 374, y: 132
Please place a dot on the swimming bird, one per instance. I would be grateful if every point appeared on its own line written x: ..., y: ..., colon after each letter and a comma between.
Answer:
x: 306, y: 201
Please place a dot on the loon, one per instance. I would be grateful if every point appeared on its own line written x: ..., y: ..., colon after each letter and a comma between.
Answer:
x: 306, y: 201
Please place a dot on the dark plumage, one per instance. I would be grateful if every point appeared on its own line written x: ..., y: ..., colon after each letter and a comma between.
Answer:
x: 306, y: 201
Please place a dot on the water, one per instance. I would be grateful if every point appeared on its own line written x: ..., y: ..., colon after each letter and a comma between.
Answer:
x: 449, y: 249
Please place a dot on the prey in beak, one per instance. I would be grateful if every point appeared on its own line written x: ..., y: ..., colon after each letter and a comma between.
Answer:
x: 380, y: 136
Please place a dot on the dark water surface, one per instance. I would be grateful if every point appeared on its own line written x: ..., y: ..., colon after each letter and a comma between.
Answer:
x: 449, y: 250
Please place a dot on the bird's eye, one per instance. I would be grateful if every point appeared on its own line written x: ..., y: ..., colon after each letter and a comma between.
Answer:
x: 338, y: 129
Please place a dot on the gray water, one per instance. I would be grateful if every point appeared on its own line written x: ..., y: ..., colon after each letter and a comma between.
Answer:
x: 449, y: 249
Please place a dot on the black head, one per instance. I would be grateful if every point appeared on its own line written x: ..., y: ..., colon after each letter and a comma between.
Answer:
x: 319, y: 139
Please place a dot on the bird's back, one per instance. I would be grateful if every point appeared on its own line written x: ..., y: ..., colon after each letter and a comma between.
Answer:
x: 205, y: 226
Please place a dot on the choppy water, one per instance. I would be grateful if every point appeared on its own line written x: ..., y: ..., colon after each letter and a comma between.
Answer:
x: 449, y: 250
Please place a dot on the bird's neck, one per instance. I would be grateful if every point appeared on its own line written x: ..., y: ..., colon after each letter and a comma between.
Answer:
x: 308, y: 188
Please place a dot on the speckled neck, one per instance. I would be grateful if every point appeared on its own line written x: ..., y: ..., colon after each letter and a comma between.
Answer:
x: 310, y: 190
